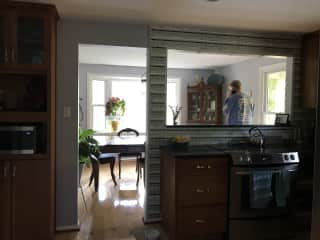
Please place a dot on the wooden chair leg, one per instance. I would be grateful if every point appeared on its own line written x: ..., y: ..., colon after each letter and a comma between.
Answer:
x: 119, y: 167
x: 112, y: 163
x: 138, y: 172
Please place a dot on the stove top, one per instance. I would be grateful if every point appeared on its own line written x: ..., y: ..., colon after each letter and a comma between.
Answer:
x: 264, y: 158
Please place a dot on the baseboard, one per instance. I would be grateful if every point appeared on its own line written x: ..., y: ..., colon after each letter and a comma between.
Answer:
x: 71, y: 228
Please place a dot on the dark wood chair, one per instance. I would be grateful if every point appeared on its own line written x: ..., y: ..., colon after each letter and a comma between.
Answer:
x: 140, y: 166
x: 128, y: 132
x: 103, y: 158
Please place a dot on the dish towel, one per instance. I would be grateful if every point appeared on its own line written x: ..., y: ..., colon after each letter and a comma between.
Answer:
x: 282, y: 187
x: 260, y: 189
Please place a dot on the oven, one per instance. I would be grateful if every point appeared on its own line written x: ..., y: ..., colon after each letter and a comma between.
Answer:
x: 276, y: 180
x: 262, y: 201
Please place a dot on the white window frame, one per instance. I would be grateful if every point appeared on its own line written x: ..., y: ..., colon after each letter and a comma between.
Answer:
x: 263, y: 80
x: 108, y: 84
x: 177, y: 81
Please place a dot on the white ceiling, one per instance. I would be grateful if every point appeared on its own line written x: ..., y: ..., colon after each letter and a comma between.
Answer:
x: 277, y: 15
x: 136, y: 57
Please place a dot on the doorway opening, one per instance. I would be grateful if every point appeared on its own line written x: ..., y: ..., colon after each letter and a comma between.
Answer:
x: 112, y: 97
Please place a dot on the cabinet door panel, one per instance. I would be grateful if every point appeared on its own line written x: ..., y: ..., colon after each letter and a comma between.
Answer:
x: 4, y: 37
x: 5, y: 201
x: 30, y: 40
x: 31, y: 200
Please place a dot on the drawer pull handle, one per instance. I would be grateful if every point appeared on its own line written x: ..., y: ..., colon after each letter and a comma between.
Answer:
x: 199, y: 190
x: 203, y: 167
x: 200, y: 166
x: 200, y: 221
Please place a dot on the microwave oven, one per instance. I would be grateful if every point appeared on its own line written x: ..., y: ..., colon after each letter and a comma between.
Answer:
x: 18, y: 139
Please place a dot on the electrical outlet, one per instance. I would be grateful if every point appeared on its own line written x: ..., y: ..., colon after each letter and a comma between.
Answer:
x: 67, y: 112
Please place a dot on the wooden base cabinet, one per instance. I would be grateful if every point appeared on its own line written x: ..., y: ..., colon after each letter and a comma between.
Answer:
x: 194, y: 196
x: 26, y: 200
x: 5, y: 201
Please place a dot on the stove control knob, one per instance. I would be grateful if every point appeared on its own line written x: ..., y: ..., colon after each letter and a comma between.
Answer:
x: 241, y: 158
x: 249, y: 159
x: 292, y: 157
x: 286, y: 158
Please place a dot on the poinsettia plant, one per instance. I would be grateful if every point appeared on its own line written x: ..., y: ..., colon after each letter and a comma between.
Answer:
x: 115, y: 107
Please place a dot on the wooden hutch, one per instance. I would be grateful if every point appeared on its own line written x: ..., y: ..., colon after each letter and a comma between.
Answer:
x: 204, y: 104
x: 28, y: 48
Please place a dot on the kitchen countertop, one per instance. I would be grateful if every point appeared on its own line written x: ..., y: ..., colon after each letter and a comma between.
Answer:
x: 225, y: 149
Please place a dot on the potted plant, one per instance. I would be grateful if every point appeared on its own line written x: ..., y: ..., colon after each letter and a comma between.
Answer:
x: 115, y: 107
x: 87, y: 145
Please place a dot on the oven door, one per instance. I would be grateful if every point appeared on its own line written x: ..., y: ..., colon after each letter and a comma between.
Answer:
x: 258, y: 192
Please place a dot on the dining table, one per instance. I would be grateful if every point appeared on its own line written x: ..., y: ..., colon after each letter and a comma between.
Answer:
x: 121, y: 144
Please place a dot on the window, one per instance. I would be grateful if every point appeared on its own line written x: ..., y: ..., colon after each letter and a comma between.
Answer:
x: 173, y: 93
x: 129, y: 89
x: 274, y: 86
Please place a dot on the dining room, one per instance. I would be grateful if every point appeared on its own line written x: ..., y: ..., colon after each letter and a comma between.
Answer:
x: 112, y: 133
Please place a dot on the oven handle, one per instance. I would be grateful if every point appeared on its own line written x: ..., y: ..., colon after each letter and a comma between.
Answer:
x: 250, y: 172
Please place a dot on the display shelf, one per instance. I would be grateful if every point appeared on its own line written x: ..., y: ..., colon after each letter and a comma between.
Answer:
x: 23, y: 117
x: 37, y: 156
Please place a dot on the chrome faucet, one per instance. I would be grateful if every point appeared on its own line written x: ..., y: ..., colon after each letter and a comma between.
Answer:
x: 255, y: 133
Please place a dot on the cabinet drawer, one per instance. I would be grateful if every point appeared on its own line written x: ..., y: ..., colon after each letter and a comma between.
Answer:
x: 196, y: 190
x: 201, y: 221
x: 201, y: 166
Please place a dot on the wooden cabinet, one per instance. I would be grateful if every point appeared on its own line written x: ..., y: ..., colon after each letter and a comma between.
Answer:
x: 194, y: 193
x: 24, y: 36
x: 204, y: 104
x: 310, y: 73
x: 5, y: 201
x: 27, y: 96
x: 26, y: 201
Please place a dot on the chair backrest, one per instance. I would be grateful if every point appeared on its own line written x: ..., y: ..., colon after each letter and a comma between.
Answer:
x: 128, y: 131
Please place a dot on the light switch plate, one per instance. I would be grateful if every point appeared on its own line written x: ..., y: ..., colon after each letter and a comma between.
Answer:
x: 67, y: 112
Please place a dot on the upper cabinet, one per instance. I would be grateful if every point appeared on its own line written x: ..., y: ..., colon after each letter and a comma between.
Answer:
x: 4, y: 58
x: 204, y: 104
x: 311, y: 61
x: 24, y: 38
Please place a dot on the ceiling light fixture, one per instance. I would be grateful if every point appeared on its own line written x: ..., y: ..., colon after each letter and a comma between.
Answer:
x: 213, y: 0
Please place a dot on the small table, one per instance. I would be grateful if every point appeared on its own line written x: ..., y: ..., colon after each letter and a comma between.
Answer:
x: 123, y: 144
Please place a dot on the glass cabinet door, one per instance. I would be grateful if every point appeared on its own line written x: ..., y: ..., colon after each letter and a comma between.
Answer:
x: 209, y: 106
x: 194, y: 106
x: 30, y: 40
x: 3, y: 50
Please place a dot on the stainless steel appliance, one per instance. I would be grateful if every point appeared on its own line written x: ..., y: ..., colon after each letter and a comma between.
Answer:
x: 18, y: 139
x: 262, y: 195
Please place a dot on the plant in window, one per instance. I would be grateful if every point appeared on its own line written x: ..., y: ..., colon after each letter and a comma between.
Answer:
x: 115, y: 107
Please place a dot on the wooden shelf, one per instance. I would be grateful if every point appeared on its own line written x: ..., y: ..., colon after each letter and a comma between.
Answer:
x: 37, y: 156
x: 20, y: 117
x: 40, y: 69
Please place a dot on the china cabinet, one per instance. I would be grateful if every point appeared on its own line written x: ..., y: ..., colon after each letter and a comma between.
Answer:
x: 204, y: 104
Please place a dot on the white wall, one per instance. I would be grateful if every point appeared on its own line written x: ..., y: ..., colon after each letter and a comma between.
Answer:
x: 248, y: 72
x: 70, y: 34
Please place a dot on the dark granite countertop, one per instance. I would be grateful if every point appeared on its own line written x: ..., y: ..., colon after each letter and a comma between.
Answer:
x: 225, y: 149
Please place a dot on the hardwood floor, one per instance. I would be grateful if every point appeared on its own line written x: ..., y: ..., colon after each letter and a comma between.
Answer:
x: 113, y: 212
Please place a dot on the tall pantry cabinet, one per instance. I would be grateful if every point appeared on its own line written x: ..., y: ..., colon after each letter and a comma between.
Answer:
x: 27, y: 98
